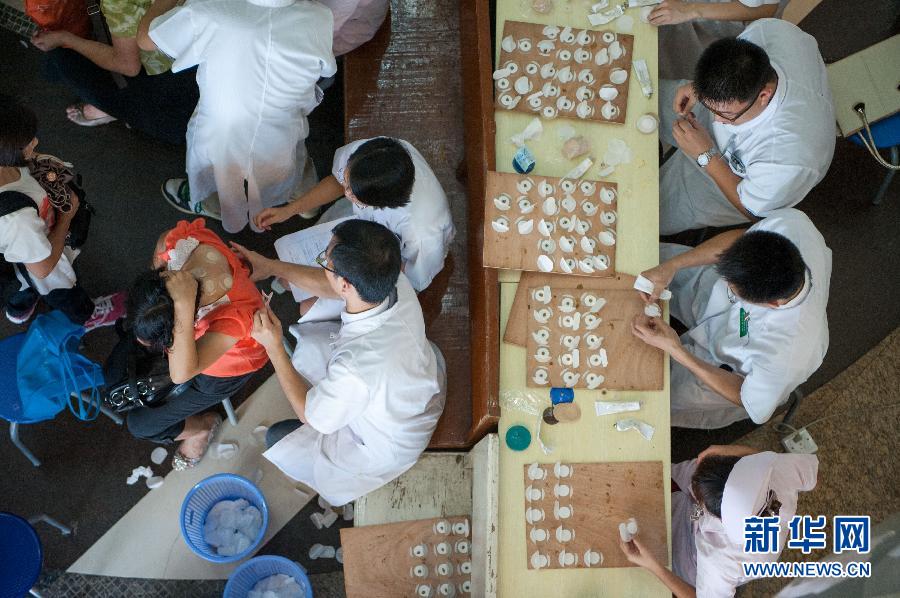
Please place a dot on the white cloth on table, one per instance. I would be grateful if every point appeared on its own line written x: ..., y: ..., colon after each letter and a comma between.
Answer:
x: 782, y: 348
x: 258, y: 67
x: 703, y: 554
x: 355, y: 22
x: 781, y: 154
x: 681, y: 45
x: 24, y: 237
x: 373, y: 412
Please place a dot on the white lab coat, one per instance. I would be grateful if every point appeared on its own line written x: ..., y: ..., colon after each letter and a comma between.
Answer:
x: 681, y: 45
x: 780, y: 155
x: 702, y: 553
x: 783, y: 347
x: 424, y: 225
x: 355, y: 22
x: 373, y: 412
x: 258, y: 67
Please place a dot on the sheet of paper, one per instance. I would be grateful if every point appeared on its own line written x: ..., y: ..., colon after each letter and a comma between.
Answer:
x: 303, y: 247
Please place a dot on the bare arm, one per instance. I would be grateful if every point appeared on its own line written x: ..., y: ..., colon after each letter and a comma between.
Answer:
x: 733, y: 11
x: 326, y: 190
x: 159, y: 7
x: 672, y: 12
x: 188, y: 357
x: 309, y: 278
x: 57, y: 238
x: 121, y: 57
x: 267, y: 332
x: 704, y: 254
x: 728, y: 182
x: 728, y: 384
x: 637, y: 553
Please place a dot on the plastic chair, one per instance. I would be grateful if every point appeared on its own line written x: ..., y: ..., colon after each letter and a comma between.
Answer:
x: 21, y: 554
x: 886, y: 134
x: 9, y: 395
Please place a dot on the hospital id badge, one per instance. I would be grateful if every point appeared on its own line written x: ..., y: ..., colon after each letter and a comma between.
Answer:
x: 744, y: 323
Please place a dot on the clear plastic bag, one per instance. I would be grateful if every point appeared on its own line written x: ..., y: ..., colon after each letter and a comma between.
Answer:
x: 524, y: 401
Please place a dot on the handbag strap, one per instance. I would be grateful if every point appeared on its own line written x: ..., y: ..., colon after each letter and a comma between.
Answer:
x: 869, y: 143
x: 101, y: 33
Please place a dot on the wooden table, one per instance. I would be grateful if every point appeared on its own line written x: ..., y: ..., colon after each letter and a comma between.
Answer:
x: 592, y: 438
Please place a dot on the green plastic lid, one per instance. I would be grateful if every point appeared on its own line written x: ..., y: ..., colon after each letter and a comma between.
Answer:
x: 518, y: 438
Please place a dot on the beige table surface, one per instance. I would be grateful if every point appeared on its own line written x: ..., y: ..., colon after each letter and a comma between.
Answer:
x: 592, y: 438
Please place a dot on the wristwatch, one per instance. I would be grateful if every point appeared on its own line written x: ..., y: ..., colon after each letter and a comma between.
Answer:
x: 706, y: 157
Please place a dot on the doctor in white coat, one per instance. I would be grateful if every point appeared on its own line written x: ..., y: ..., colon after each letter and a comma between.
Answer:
x: 754, y: 303
x: 386, y: 181
x: 711, y: 496
x: 259, y: 61
x: 755, y: 129
x: 368, y: 415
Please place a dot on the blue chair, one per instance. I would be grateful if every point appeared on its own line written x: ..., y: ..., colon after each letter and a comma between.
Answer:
x: 886, y: 134
x: 10, y: 401
x: 21, y: 554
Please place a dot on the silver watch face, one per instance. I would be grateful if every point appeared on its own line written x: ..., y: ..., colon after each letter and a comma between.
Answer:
x: 703, y: 159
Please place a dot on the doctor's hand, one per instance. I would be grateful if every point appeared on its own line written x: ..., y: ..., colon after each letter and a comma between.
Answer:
x: 270, y: 216
x: 691, y: 136
x: 260, y: 266
x: 656, y: 333
x: 50, y: 40
x: 267, y: 329
x: 685, y: 98
x: 661, y: 276
x: 672, y: 12
x: 637, y: 553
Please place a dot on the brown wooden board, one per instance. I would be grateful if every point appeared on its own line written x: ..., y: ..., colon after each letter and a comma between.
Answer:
x: 512, y: 250
x: 573, y: 93
x: 632, y: 364
x: 517, y: 324
x: 379, y: 559
x: 601, y: 495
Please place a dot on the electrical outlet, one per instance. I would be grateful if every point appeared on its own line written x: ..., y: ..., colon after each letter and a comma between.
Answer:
x: 800, y: 442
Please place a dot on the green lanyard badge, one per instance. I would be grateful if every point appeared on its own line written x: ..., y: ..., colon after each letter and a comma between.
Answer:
x: 744, y: 323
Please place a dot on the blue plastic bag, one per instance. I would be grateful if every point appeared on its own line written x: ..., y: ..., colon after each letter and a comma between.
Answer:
x: 50, y: 369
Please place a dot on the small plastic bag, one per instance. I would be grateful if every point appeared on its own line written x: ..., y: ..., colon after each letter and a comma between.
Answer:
x: 524, y: 401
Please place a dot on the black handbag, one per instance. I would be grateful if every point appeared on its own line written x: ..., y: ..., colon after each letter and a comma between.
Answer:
x: 137, y: 378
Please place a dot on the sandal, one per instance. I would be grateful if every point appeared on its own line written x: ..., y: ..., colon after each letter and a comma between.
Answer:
x: 75, y: 113
x: 181, y: 462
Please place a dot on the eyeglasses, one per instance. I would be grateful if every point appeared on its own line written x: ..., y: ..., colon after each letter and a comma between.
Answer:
x: 746, y: 109
x: 322, y: 261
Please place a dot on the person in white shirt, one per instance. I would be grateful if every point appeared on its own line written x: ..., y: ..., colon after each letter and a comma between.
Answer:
x: 34, y: 232
x: 355, y: 22
x: 686, y: 28
x: 754, y: 304
x: 386, y: 181
x: 259, y: 62
x: 754, y: 129
x: 711, y: 497
x: 369, y: 413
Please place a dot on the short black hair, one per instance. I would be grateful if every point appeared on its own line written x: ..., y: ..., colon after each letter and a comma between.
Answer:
x: 708, y: 481
x: 731, y: 70
x: 367, y: 254
x: 763, y: 267
x: 18, y: 126
x: 151, y: 311
x: 381, y: 173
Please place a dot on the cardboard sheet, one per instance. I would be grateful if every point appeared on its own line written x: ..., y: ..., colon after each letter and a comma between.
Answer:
x: 556, y: 212
x: 402, y: 559
x: 632, y: 364
x: 147, y: 543
x: 564, y: 72
x: 581, y: 511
